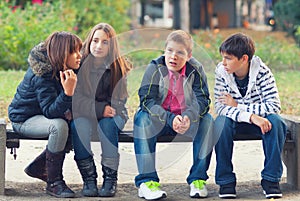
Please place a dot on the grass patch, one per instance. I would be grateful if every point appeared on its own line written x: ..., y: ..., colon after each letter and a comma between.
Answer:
x: 287, y: 82
x: 288, y: 86
x: 9, y: 81
x: 280, y: 53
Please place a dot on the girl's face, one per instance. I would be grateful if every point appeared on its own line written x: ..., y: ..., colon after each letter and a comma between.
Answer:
x: 73, y: 60
x: 176, y: 56
x: 100, y: 44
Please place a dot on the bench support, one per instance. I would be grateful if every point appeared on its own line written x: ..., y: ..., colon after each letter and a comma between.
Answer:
x: 2, y: 155
x: 291, y: 151
x: 290, y: 154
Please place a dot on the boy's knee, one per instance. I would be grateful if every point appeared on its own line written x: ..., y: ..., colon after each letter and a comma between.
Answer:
x: 221, y: 121
x: 141, y: 119
x: 275, y: 119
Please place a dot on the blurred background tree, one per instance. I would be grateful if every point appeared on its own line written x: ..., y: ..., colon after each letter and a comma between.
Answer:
x: 288, y: 17
x: 24, y: 24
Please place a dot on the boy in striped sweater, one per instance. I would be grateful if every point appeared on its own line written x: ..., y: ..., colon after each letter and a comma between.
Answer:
x: 247, y: 102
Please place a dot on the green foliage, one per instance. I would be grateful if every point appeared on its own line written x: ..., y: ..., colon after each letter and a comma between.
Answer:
x: 9, y: 81
x: 24, y: 28
x: 21, y: 29
x: 288, y: 16
x: 279, y: 55
x: 287, y: 82
x: 92, y: 12
x: 297, y: 34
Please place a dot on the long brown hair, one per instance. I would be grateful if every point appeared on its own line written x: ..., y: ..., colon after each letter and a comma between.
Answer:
x: 119, y: 65
x: 59, y: 46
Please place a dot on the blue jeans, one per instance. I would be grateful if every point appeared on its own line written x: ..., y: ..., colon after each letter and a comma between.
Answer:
x: 145, y: 147
x: 57, y: 131
x: 108, y: 130
x: 272, y: 142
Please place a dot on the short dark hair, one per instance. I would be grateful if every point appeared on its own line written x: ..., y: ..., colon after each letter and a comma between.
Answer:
x: 238, y: 45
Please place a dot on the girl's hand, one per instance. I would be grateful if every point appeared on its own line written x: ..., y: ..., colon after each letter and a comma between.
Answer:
x: 68, y: 115
x: 68, y: 81
x: 109, y: 111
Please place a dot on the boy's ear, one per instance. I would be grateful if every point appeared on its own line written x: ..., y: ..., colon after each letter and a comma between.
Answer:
x: 245, y: 58
x: 190, y: 55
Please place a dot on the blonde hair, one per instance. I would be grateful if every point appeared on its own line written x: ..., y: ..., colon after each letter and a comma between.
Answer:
x: 181, y: 37
x: 59, y: 46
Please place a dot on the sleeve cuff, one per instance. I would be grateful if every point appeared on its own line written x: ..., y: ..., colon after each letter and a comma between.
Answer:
x: 244, y: 117
x: 242, y: 107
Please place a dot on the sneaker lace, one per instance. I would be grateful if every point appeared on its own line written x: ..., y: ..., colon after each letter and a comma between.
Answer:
x: 199, y: 184
x: 152, y: 185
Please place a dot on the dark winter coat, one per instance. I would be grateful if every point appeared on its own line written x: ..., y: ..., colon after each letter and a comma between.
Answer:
x: 39, y: 93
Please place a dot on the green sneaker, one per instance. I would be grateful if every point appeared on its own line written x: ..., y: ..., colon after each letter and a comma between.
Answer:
x: 150, y: 191
x: 198, y: 189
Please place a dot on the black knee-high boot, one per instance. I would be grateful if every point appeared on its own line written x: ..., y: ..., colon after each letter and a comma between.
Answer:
x: 109, y: 186
x: 56, y: 186
x: 89, y: 176
x: 37, y: 168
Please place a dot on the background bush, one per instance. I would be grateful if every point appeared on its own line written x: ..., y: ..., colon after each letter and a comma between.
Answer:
x: 21, y: 29
x: 288, y: 17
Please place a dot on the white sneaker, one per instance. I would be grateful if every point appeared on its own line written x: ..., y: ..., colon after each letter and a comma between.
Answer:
x: 150, y: 191
x: 198, y: 189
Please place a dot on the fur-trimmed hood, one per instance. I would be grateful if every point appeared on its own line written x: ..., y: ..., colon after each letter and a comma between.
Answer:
x: 38, y: 60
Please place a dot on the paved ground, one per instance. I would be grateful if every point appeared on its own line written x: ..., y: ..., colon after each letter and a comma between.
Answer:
x: 174, y: 161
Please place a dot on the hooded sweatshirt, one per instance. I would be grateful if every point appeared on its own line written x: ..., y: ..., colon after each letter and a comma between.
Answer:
x: 261, y: 98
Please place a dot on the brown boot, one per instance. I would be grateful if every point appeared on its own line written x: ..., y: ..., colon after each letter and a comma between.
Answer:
x: 56, y: 186
x: 37, y: 168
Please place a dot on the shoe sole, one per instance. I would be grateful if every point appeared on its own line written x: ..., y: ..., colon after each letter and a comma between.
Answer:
x: 34, y: 176
x: 163, y: 196
x: 90, y: 194
x: 71, y: 195
x: 273, y: 195
x: 227, y: 196
x: 197, y: 195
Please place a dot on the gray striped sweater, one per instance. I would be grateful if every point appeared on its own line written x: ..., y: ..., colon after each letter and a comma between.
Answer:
x: 261, y: 98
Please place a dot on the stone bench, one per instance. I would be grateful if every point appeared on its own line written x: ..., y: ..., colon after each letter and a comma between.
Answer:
x: 11, y: 140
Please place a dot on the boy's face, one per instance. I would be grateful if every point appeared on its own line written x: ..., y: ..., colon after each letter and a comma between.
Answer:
x: 176, y: 56
x: 234, y: 65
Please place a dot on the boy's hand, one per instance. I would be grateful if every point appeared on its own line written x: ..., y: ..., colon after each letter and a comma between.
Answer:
x: 68, y: 81
x: 264, y: 124
x: 186, y: 123
x: 227, y: 99
x: 181, y: 124
x: 109, y: 111
x: 176, y: 123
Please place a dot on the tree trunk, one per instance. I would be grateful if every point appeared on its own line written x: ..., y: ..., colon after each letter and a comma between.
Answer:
x: 185, y: 15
